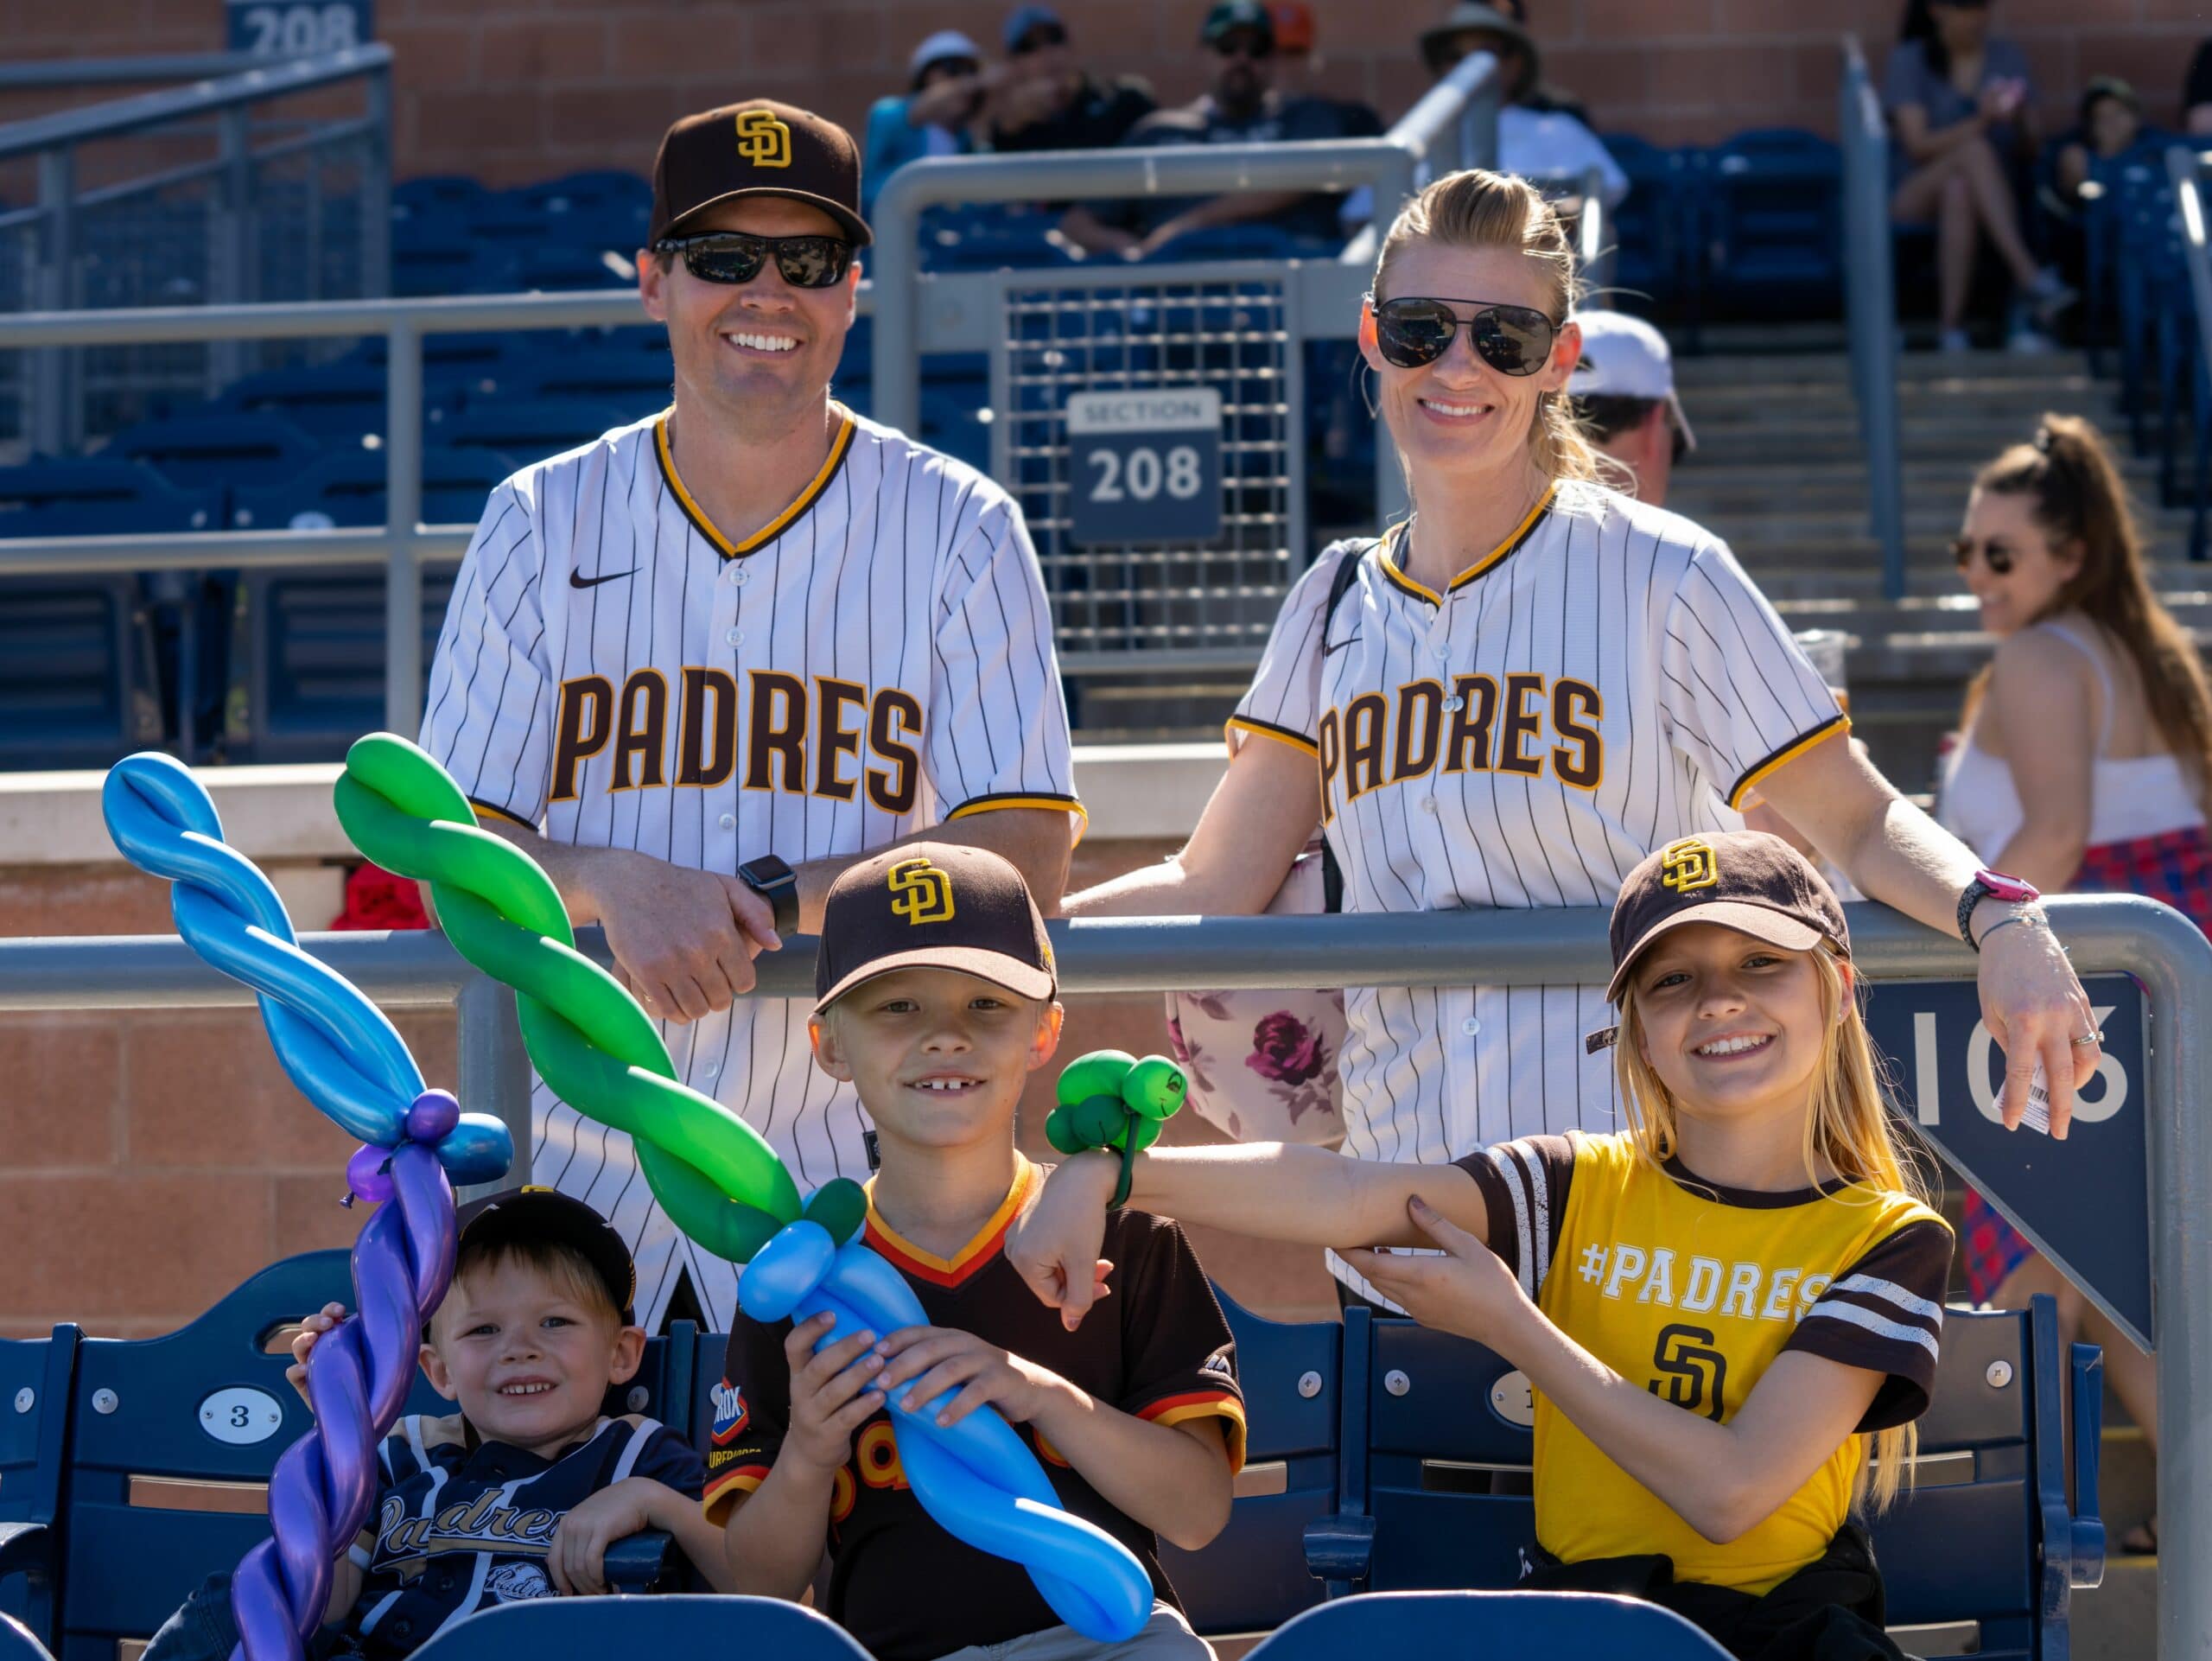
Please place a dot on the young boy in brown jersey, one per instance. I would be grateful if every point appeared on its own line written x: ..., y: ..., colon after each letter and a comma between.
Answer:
x: 936, y: 1002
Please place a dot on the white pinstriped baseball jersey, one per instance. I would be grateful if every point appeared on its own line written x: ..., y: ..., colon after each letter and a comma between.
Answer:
x: 615, y: 670
x: 1604, y: 681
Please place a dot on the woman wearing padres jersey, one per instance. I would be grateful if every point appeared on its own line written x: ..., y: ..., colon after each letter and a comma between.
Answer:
x: 1513, y: 696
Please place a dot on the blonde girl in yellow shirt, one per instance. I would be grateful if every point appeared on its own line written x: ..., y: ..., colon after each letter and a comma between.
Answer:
x: 1729, y: 1311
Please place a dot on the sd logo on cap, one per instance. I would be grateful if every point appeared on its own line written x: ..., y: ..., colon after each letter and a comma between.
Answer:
x: 759, y: 147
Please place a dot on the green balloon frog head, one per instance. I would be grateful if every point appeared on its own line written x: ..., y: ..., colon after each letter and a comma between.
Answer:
x: 1109, y: 1099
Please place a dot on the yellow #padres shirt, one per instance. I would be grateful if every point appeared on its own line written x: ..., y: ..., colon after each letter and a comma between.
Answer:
x: 1691, y: 1291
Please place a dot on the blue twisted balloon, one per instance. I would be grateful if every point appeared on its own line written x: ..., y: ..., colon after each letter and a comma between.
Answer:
x: 350, y: 1061
x: 976, y: 1479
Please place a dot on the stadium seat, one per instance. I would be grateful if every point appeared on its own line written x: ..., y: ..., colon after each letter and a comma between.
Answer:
x: 173, y: 1440
x: 346, y: 488
x: 1658, y: 230
x: 35, y: 1375
x: 555, y: 268
x: 435, y: 194
x: 591, y: 191
x: 334, y: 403
x: 640, y: 382
x: 1986, y: 1535
x: 17, y: 1642
x: 1524, y: 1626
x: 592, y: 1629
x: 529, y: 429
x: 78, y: 668
x: 1252, y: 1577
x: 216, y: 449
x: 1774, y: 242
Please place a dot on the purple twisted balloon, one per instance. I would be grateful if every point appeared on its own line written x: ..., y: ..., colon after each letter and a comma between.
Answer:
x: 350, y: 1061
x: 358, y: 1378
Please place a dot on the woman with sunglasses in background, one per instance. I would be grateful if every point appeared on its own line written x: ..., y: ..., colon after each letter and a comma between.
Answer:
x: 2083, y: 764
x: 1510, y: 699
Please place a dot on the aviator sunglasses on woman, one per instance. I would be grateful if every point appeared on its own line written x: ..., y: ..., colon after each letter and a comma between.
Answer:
x: 735, y: 259
x: 1512, y: 339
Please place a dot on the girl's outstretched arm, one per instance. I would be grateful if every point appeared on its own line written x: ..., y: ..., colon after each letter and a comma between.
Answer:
x: 1722, y: 1480
x: 1270, y: 1190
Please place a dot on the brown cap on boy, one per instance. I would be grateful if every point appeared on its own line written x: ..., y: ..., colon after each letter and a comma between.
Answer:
x: 933, y: 905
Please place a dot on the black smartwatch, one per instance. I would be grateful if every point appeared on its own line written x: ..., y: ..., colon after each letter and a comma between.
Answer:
x: 777, y: 884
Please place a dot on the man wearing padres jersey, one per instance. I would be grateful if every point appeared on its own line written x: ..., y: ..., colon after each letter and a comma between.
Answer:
x: 697, y: 667
x: 1510, y: 699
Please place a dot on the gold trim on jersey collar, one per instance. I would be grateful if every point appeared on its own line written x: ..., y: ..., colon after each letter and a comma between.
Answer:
x: 775, y: 527
x: 979, y: 1250
x: 1522, y: 532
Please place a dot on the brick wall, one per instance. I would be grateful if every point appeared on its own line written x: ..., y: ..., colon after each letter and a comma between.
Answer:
x: 520, y: 89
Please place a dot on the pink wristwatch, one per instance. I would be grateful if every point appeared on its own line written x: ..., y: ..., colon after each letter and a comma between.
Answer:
x: 1991, y: 885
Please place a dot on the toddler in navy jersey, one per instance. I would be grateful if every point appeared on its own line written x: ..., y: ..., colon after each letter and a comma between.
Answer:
x: 518, y: 1494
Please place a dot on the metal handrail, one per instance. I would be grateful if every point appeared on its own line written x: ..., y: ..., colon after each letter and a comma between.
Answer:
x: 2101, y: 934
x: 257, y: 86
x: 46, y: 74
x: 2181, y: 168
x: 1870, y: 303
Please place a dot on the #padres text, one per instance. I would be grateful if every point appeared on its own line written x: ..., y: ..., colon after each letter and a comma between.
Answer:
x: 798, y: 741
x: 1525, y: 725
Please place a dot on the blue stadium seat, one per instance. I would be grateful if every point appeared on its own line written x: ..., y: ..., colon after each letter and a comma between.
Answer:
x: 1257, y: 241
x: 529, y: 429
x: 1987, y: 1535
x: 589, y: 191
x: 17, y: 1642
x: 640, y: 382
x: 557, y: 268
x: 1775, y: 241
x: 1524, y: 1626
x: 1658, y: 230
x: 435, y: 194
x: 308, y: 660
x: 97, y: 496
x: 346, y: 487
x: 216, y: 449
x: 173, y: 1439
x: 35, y: 1375
x: 335, y: 403
x: 79, y: 670
x: 1252, y: 1577
x: 592, y: 1629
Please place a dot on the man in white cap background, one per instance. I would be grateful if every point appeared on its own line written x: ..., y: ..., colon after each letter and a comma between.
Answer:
x: 1623, y: 393
x: 947, y: 86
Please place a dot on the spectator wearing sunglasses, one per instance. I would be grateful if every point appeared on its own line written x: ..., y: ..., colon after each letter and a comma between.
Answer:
x: 1047, y: 101
x: 1542, y: 134
x: 947, y: 86
x: 1963, y: 106
x: 2083, y: 764
x: 699, y: 666
x: 1241, y: 106
x: 1623, y: 392
x: 1508, y: 699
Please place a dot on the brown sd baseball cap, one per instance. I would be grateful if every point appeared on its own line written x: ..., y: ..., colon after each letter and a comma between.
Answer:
x: 545, y: 1214
x: 933, y: 905
x: 760, y: 148
x: 1744, y: 879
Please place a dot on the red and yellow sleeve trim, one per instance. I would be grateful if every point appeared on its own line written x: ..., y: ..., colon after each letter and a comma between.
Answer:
x: 488, y: 810
x: 1267, y: 729
x: 775, y: 527
x: 1761, y: 771
x: 722, y: 1492
x: 1204, y: 1405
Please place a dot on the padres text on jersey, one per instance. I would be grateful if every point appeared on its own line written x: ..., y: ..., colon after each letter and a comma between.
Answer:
x: 1603, y: 683
x: 876, y: 660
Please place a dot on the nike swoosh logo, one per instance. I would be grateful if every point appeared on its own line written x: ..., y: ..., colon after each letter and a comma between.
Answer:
x: 1330, y: 651
x: 578, y: 580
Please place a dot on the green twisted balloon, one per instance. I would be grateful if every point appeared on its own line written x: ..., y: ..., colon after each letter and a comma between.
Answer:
x: 1111, y: 1099
x: 591, y: 1042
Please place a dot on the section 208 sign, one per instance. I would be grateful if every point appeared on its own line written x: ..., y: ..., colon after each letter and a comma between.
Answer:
x: 2084, y: 1202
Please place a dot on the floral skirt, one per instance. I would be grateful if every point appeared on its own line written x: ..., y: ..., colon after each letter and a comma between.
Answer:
x: 2176, y: 867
